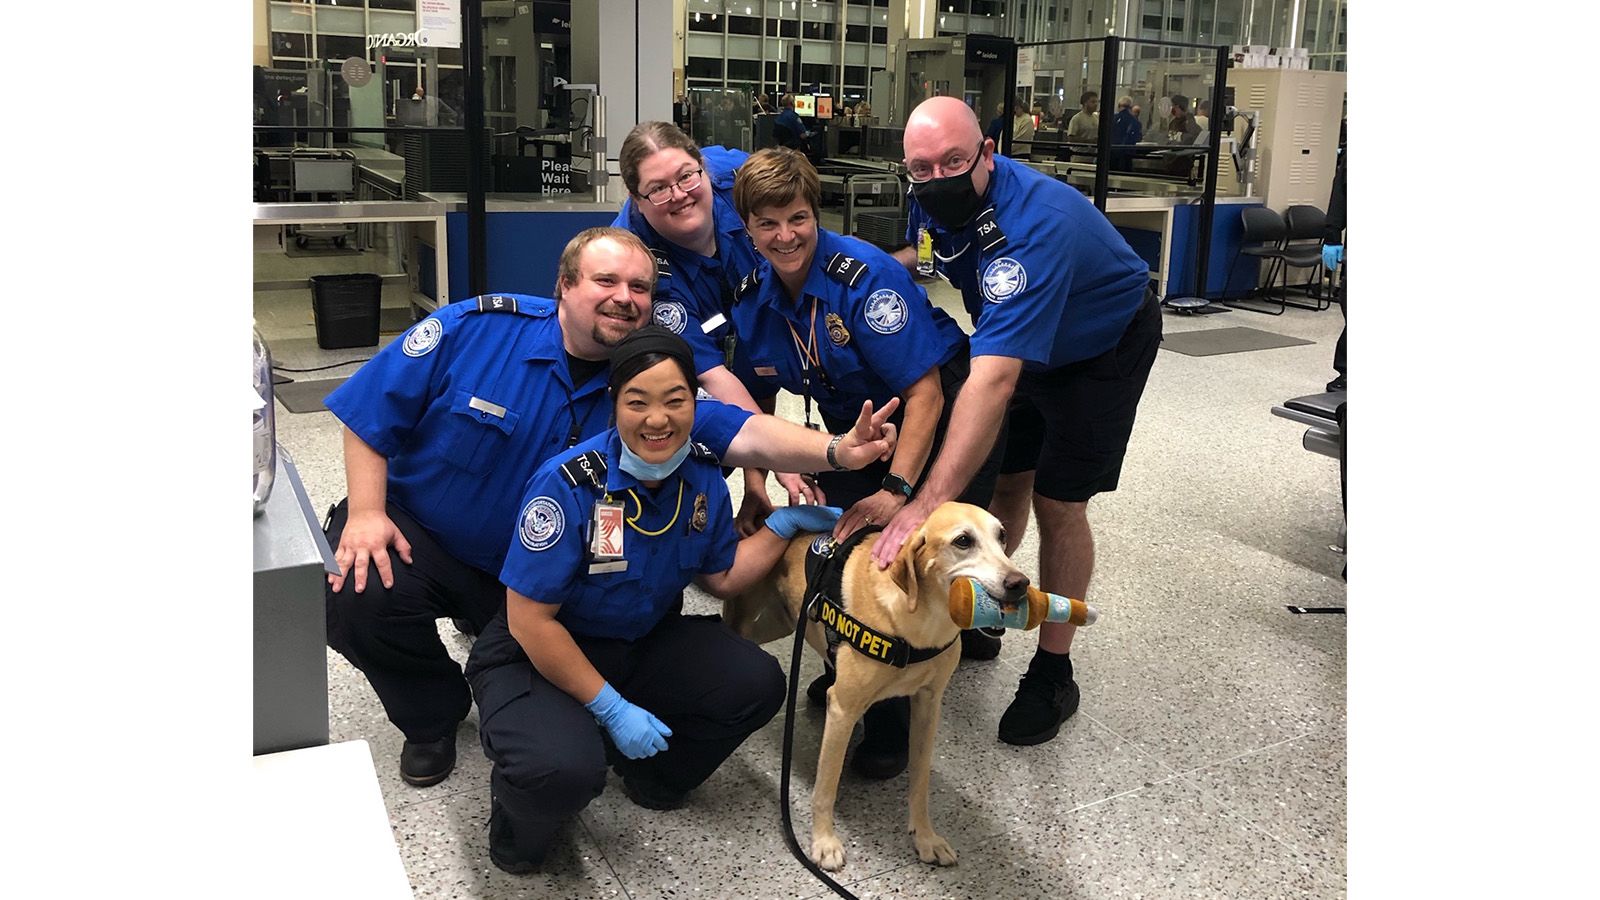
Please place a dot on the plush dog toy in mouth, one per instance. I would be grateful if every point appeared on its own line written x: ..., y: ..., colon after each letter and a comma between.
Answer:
x: 972, y: 607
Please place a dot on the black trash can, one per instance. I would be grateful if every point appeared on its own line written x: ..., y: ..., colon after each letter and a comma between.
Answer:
x: 345, y: 310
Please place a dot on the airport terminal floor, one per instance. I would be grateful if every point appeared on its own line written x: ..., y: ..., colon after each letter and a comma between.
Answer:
x: 1207, y: 758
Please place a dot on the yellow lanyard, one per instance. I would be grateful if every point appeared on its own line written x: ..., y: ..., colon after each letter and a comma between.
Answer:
x: 632, y: 523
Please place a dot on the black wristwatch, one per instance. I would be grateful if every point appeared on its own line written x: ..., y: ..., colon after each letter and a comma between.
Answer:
x: 894, y: 484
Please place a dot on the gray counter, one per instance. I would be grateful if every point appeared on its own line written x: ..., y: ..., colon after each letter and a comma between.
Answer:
x: 290, y: 663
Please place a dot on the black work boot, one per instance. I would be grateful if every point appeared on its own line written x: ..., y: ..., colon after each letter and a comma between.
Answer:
x: 981, y: 643
x: 1046, y: 696
x: 651, y: 794
x: 883, y: 751
x: 817, y: 690
x: 503, y: 846
x: 425, y: 763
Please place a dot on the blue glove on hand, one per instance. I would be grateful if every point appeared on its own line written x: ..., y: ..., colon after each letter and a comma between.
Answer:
x: 635, y: 732
x: 1332, y: 255
x: 791, y: 520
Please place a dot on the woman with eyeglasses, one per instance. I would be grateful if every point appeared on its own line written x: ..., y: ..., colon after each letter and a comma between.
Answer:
x: 680, y: 204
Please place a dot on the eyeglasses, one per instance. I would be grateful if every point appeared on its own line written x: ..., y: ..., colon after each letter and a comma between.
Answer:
x: 686, y: 182
x: 955, y: 164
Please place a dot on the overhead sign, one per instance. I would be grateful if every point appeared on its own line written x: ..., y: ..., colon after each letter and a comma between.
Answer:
x: 439, y: 23
x: 356, y: 71
x: 552, y: 17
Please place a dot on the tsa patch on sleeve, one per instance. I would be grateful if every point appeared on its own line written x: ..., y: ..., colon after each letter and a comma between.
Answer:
x: 423, y: 338
x: 542, y: 522
x: 886, y: 311
x: 671, y: 315
x: 1004, y: 278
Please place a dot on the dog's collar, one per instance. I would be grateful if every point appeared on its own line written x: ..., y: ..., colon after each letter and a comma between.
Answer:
x: 825, y: 579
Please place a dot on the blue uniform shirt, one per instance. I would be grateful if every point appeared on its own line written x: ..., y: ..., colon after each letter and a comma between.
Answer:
x: 875, y: 333
x: 693, y: 292
x: 548, y: 560
x: 1045, y: 276
x: 468, y: 404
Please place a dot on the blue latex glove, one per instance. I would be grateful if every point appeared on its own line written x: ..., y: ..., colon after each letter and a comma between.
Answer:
x: 791, y: 520
x: 1332, y: 255
x: 635, y: 732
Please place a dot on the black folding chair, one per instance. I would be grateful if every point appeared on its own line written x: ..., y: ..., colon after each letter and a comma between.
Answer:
x: 1263, y: 237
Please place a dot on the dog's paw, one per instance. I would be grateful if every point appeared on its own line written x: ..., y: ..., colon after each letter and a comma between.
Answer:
x: 931, y: 848
x: 827, y: 852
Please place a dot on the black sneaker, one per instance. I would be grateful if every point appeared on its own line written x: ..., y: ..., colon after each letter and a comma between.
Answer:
x: 817, y: 690
x: 1046, y: 697
x: 426, y: 763
x: 464, y: 626
x: 884, y: 748
x: 651, y: 794
x: 981, y: 643
x: 502, y: 847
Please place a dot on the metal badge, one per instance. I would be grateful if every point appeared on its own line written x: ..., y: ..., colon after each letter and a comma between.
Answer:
x: 837, y: 333
x: 701, y: 513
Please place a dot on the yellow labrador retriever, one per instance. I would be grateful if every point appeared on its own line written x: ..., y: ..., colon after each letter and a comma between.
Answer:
x: 909, y: 600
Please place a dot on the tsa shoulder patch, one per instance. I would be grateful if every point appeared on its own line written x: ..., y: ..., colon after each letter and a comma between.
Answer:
x: 542, y: 524
x: 702, y: 452
x: 1003, y: 279
x: 671, y: 315
x: 522, y: 304
x: 845, y: 270
x: 422, y: 338
x: 588, y: 468
x: 886, y: 311
x: 663, y: 265
x: 749, y: 283
x: 989, y: 234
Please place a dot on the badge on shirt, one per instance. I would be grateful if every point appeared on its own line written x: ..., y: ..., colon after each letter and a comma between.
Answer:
x: 605, y: 541
x: 701, y: 514
x: 542, y: 524
x: 837, y: 333
x: 1003, y: 278
x: 886, y: 311
x: 671, y: 315
x: 423, y: 338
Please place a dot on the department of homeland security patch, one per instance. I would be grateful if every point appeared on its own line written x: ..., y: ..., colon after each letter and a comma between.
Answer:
x: 886, y: 311
x: 1004, y: 278
x: 542, y: 523
x: 423, y: 338
x: 671, y: 315
x: 822, y: 545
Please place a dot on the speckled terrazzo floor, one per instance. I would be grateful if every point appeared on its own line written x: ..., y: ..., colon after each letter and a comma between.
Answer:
x: 1207, y: 759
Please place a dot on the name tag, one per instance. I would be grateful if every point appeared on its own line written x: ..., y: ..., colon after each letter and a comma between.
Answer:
x: 601, y: 568
x: 770, y: 371
x: 713, y: 323
x: 493, y: 409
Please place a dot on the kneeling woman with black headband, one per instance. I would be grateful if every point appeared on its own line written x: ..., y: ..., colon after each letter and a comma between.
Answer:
x: 610, y: 534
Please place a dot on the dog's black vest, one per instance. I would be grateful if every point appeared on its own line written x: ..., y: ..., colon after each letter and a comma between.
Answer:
x: 825, y: 561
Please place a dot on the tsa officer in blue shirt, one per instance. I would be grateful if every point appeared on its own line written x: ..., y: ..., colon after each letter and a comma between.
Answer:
x: 1066, y: 329
x: 838, y: 321
x: 590, y: 649
x: 442, y: 430
x: 680, y: 203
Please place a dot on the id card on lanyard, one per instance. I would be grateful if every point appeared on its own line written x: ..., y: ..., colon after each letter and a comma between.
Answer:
x: 606, y: 532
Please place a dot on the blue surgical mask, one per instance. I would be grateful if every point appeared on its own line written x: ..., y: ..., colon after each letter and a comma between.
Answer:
x: 648, y: 471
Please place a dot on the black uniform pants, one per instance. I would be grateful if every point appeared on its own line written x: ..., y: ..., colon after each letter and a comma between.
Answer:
x: 390, y: 633
x: 710, y: 686
x: 845, y: 489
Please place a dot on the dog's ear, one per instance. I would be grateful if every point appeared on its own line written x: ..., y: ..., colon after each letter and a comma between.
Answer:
x: 903, y: 571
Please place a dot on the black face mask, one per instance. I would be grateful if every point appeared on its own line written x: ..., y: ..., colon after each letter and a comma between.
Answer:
x: 952, y: 201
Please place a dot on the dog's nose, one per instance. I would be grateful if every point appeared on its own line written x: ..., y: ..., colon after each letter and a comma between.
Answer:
x: 1016, y: 587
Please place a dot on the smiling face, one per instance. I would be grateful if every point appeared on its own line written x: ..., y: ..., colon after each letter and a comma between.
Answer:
x: 787, y: 238
x: 609, y: 299
x: 655, y: 410
x: 685, y: 219
x: 964, y: 541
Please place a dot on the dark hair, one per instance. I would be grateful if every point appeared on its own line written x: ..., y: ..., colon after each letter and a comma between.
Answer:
x: 1087, y: 96
x: 647, y: 139
x: 1181, y: 102
x: 645, y: 348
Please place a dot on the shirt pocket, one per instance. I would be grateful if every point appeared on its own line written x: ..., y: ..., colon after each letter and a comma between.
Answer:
x: 479, y: 432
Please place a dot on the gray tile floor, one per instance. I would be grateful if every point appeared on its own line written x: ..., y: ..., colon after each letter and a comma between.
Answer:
x: 1207, y: 759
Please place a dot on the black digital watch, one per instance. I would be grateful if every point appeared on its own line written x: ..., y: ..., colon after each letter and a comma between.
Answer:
x: 894, y: 484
